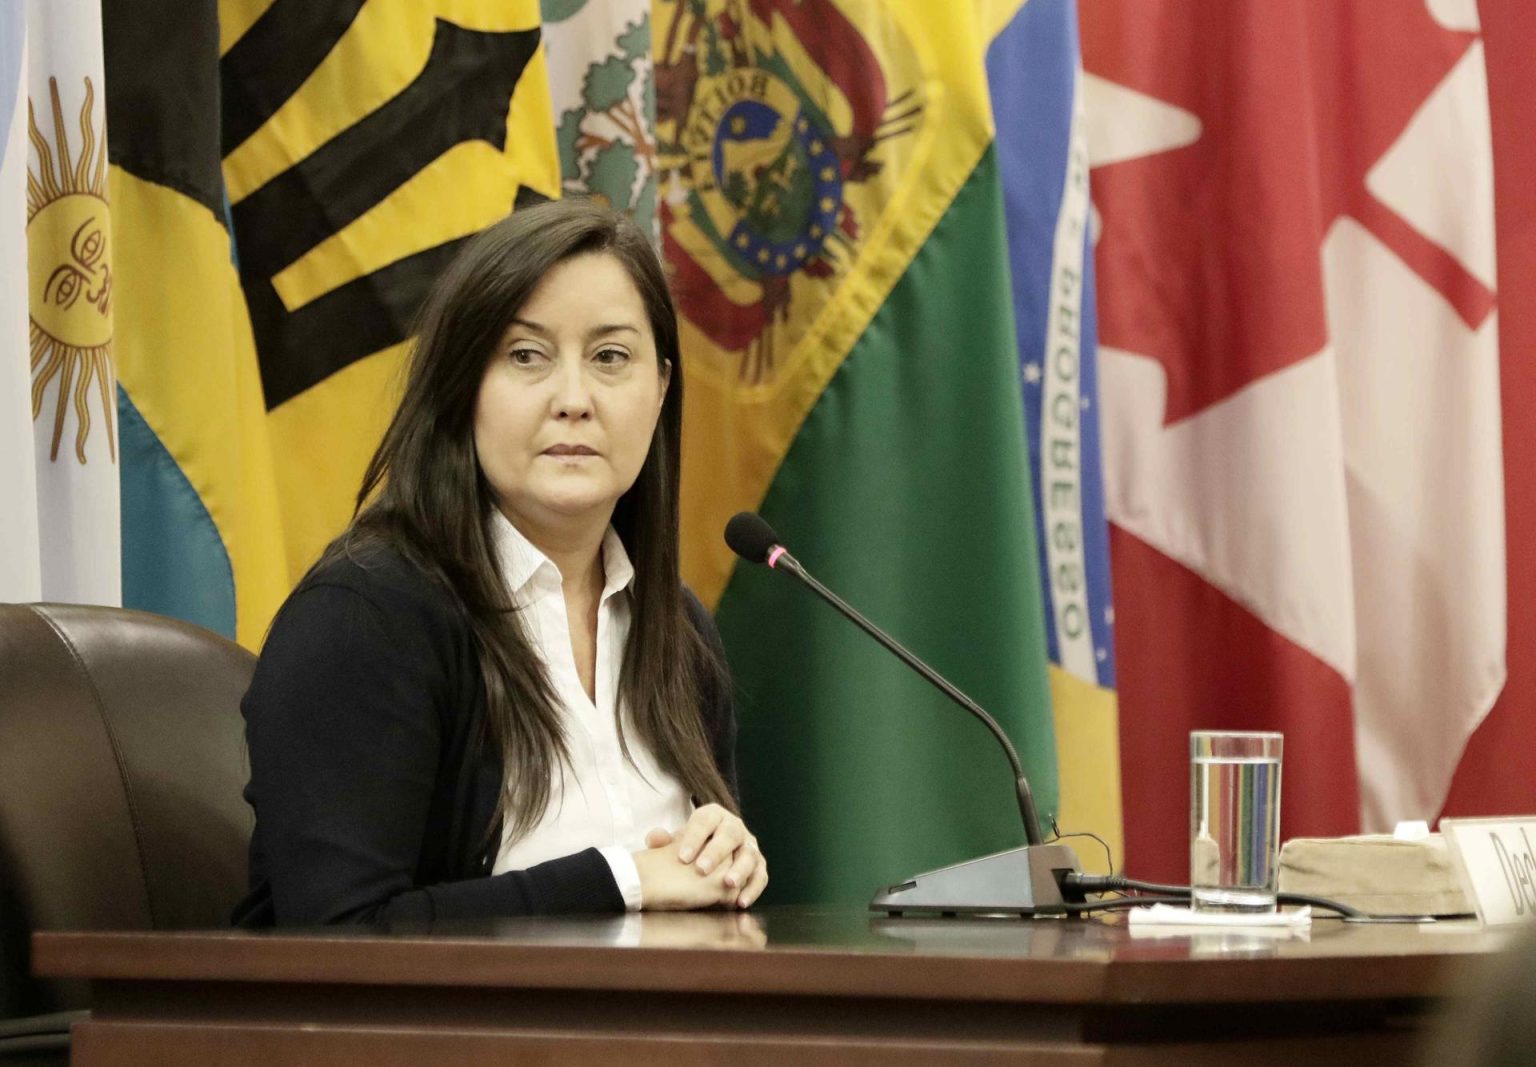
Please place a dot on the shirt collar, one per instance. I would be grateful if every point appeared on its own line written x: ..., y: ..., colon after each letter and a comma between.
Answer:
x: 529, y: 572
x: 618, y: 571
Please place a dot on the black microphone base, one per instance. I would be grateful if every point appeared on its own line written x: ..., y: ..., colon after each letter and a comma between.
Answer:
x: 1022, y: 881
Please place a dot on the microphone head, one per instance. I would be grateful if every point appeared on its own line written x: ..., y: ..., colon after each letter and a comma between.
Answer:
x: 750, y: 537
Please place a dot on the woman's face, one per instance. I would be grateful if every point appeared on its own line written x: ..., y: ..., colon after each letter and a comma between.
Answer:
x: 570, y: 397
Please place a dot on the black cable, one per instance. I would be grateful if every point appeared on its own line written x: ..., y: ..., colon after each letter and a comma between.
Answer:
x: 1112, y: 883
x: 1156, y: 887
x: 1109, y: 857
x: 1323, y: 902
x: 1097, y: 883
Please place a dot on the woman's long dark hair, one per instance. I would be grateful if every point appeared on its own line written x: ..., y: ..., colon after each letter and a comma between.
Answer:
x: 425, y: 496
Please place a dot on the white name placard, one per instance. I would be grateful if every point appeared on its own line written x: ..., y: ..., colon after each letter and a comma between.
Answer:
x: 1496, y: 859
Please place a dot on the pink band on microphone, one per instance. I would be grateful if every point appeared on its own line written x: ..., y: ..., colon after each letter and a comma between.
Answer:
x: 775, y: 552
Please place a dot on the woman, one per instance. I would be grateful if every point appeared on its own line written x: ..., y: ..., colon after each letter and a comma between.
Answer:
x: 492, y: 696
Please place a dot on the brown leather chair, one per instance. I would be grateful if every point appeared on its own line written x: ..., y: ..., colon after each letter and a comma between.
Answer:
x: 122, y: 759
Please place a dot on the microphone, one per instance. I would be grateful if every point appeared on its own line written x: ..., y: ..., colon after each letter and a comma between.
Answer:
x: 751, y: 538
x: 985, y: 884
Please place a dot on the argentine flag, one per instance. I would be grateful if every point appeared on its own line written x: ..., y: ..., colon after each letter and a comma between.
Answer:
x: 59, y: 526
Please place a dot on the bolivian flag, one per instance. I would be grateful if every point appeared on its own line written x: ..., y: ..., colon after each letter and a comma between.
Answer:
x: 833, y: 218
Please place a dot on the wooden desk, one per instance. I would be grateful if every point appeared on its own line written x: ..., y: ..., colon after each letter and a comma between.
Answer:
x: 787, y: 985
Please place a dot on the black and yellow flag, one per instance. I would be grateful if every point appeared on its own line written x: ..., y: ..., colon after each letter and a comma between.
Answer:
x: 363, y: 143
x: 201, y: 535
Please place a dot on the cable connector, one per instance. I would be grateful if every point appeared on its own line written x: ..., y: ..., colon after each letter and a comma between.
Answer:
x: 1085, y: 884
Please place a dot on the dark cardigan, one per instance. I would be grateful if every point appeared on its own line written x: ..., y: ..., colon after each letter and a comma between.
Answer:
x: 372, y: 790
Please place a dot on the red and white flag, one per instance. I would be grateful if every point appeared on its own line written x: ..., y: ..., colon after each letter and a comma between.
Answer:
x: 1300, y: 390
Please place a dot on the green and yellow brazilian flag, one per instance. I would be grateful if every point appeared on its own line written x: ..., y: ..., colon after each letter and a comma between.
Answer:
x: 833, y: 220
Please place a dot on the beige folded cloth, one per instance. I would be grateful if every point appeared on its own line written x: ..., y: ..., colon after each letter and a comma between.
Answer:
x: 1376, y: 873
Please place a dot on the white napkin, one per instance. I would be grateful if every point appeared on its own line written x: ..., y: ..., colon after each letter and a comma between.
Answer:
x: 1168, y: 915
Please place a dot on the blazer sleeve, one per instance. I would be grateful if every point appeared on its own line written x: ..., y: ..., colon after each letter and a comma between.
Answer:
x: 344, y: 722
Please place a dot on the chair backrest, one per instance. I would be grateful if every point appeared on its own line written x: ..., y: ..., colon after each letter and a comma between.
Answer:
x: 122, y: 760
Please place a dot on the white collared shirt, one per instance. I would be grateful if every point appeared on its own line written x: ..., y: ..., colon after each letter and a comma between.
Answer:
x: 600, y: 799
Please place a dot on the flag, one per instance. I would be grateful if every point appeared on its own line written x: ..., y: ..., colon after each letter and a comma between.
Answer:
x: 1491, y: 776
x: 362, y: 145
x: 21, y: 576
x: 602, y: 88
x: 1300, y: 382
x: 58, y: 438
x: 1034, y: 73
x: 832, y: 216
x: 296, y: 176
x: 201, y: 538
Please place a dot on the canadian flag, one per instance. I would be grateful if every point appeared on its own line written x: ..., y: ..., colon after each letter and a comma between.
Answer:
x: 1300, y: 396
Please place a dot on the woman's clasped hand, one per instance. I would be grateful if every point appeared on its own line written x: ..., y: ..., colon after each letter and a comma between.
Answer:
x: 713, y: 861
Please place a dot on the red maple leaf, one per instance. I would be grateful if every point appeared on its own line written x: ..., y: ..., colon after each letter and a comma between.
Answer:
x: 1210, y: 254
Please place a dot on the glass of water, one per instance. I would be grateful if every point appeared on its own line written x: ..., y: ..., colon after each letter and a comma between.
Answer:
x: 1234, y: 820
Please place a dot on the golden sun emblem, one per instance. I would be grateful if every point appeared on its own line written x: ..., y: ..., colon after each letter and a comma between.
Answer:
x: 69, y: 270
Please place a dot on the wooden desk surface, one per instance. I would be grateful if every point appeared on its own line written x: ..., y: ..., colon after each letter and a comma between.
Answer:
x: 769, y: 983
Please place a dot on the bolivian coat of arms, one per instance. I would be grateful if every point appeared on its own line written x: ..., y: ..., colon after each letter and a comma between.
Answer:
x: 780, y: 126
